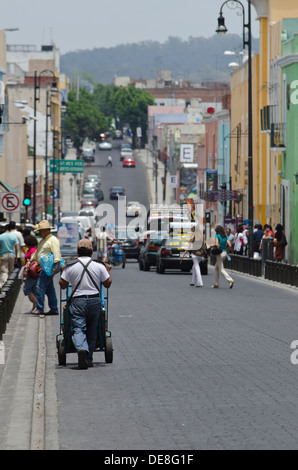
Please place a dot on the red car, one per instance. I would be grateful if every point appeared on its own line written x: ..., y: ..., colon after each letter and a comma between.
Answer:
x: 89, y: 201
x: 129, y: 161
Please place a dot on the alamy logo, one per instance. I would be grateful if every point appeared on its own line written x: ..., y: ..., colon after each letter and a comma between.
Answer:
x: 294, y: 355
x: 294, y: 94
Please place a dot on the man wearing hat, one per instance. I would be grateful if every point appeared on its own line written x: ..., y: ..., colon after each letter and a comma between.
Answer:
x: 45, y: 285
x: 85, y: 277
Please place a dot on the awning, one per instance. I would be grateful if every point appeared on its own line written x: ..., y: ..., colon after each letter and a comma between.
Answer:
x: 7, y: 187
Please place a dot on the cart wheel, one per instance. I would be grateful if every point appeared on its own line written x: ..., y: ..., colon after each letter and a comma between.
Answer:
x: 61, y: 352
x: 109, y: 351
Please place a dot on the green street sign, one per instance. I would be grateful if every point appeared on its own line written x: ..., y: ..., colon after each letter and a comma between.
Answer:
x: 67, y: 166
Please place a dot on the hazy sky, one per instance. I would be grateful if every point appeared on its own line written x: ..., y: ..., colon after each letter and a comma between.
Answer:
x: 89, y: 24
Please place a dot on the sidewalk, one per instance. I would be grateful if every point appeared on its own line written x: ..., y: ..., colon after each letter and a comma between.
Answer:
x: 69, y: 199
x: 28, y: 403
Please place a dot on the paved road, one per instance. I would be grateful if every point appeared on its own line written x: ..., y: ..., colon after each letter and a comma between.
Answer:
x: 193, y: 368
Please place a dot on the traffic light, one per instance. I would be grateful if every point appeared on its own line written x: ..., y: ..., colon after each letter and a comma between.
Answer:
x: 27, y: 195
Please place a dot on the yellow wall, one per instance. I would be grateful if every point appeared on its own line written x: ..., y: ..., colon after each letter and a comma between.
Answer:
x: 279, y: 9
x: 266, y: 162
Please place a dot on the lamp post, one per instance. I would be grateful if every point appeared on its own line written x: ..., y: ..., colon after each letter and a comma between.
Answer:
x: 37, y: 98
x: 222, y: 29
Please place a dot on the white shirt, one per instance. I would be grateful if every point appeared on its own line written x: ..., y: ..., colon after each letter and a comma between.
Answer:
x: 20, y: 239
x: 102, y: 242
x: 72, y: 274
x: 238, y: 241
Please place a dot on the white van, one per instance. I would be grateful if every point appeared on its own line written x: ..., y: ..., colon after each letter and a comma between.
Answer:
x: 87, y: 225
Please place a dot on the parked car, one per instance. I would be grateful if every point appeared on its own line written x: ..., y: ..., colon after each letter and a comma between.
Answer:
x: 169, y: 254
x: 126, y: 152
x: 133, y: 209
x: 129, y: 161
x: 148, y: 252
x: 88, y: 155
x: 93, y: 179
x: 125, y: 145
x: 129, y: 242
x: 116, y: 191
x: 89, y: 201
x: 105, y: 145
x: 69, y: 213
x: 96, y: 192
x: 88, y: 211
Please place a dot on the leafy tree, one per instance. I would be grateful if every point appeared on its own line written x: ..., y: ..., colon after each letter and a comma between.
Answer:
x: 131, y: 107
x: 84, y: 120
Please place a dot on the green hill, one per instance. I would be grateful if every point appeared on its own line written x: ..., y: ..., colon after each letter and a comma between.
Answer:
x: 197, y: 59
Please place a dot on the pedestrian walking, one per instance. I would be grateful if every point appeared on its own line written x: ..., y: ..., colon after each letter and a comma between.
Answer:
x: 239, y: 245
x: 280, y: 242
x: 102, y: 245
x: 231, y: 238
x: 21, y: 244
x: 221, y: 240
x: 85, y: 277
x: 30, y: 275
x: 196, y: 250
x: 110, y: 161
x: 45, y: 284
x: 8, y: 254
x: 257, y: 237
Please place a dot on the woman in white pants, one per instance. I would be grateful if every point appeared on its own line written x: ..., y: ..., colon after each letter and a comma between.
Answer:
x: 196, y: 239
x: 222, y: 240
x: 196, y: 279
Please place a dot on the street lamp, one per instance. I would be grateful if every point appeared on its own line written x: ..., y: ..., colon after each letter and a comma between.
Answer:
x: 222, y: 29
x: 37, y: 98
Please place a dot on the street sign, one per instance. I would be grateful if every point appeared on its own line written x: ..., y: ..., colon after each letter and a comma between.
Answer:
x: 173, y: 181
x: 10, y: 202
x: 67, y: 166
x: 186, y: 153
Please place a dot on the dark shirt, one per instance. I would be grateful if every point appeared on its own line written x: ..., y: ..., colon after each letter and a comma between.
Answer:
x: 258, y: 235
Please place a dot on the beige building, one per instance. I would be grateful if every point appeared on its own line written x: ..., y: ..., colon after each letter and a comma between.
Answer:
x: 13, y: 141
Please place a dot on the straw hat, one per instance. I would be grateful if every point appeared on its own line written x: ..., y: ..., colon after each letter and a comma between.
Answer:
x: 84, y: 242
x: 43, y: 225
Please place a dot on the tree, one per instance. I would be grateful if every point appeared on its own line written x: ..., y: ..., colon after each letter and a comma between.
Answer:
x: 131, y: 107
x: 84, y: 120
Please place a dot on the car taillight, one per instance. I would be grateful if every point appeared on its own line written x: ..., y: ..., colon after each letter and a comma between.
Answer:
x: 165, y: 252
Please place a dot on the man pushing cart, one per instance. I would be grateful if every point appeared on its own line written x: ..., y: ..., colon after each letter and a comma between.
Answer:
x: 85, y: 309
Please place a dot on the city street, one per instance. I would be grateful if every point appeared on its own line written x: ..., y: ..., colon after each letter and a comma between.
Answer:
x: 194, y: 368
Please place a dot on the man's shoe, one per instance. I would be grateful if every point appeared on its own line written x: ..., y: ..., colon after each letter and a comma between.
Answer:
x: 90, y: 364
x: 214, y: 287
x: 82, y: 355
x: 231, y: 284
x: 52, y: 312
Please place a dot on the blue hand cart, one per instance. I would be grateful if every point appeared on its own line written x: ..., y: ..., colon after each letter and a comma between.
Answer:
x: 64, y: 338
x: 116, y: 255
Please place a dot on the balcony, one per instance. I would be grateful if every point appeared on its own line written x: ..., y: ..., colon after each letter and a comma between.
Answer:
x: 278, y: 136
